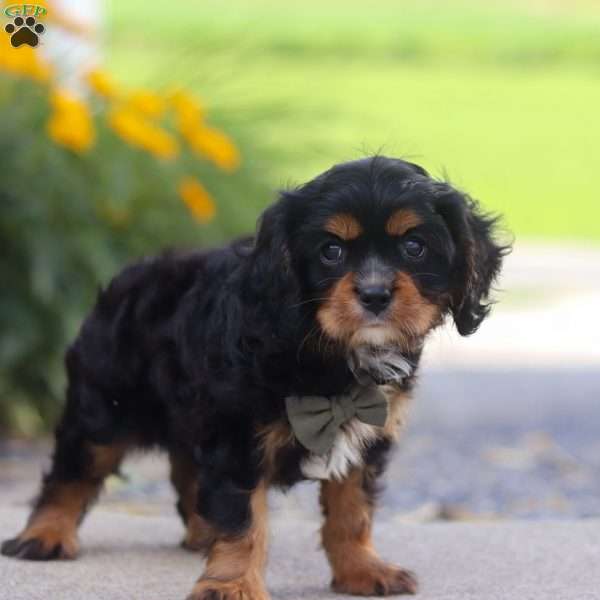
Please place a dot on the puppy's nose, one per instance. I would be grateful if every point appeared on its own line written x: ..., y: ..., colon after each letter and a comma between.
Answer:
x: 374, y: 298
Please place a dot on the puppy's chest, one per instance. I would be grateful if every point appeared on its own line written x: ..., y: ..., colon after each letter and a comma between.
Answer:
x: 292, y: 459
x: 351, y: 442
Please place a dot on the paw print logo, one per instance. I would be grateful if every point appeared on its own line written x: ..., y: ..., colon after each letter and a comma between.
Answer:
x: 24, y: 31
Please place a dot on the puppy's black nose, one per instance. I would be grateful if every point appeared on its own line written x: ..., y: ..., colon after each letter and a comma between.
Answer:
x: 375, y: 298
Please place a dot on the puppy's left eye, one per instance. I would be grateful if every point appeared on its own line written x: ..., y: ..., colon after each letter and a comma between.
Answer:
x: 332, y: 253
x: 413, y: 248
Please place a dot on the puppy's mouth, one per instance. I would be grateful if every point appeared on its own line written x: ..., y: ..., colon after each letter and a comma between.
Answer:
x: 374, y: 332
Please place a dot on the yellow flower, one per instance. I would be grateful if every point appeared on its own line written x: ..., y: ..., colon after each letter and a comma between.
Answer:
x: 197, y: 199
x: 215, y: 146
x: 23, y: 61
x: 148, y: 103
x: 188, y: 110
x: 101, y: 83
x: 205, y: 141
x: 70, y: 124
x: 142, y: 133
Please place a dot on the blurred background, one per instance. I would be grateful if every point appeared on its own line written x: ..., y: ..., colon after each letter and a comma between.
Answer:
x: 133, y: 126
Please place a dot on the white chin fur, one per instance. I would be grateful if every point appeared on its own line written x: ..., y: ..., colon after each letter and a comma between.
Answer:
x: 373, y: 336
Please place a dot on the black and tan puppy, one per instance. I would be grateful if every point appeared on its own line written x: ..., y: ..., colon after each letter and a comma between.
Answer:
x: 273, y: 360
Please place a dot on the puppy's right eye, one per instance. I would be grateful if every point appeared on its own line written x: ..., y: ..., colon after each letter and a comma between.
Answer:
x: 332, y: 253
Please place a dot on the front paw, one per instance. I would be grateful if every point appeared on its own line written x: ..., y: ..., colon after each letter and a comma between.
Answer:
x: 376, y: 579
x: 237, y: 589
x: 46, y: 544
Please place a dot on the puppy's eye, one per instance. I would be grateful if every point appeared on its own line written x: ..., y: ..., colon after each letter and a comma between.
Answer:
x: 332, y: 253
x: 413, y: 248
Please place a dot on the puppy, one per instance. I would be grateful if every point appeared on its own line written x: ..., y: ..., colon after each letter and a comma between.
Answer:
x: 286, y: 357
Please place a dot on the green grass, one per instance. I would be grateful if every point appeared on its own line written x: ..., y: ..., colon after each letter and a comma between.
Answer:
x: 503, y: 101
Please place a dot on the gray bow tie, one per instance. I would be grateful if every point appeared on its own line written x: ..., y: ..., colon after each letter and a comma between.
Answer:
x: 315, y: 420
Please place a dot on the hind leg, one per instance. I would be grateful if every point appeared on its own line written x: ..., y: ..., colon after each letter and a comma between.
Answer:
x: 199, y: 536
x: 78, y: 470
x: 236, y: 561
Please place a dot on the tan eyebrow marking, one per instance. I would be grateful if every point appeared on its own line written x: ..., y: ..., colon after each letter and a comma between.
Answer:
x: 401, y: 221
x: 345, y: 226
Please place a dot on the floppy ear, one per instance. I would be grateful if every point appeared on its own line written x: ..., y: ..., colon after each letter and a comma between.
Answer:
x: 477, y: 261
x: 272, y: 271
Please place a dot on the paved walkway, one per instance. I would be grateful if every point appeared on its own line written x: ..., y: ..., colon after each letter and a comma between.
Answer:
x: 546, y: 315
x: 137, y: 558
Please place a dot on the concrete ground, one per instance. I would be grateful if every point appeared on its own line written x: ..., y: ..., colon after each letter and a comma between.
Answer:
x: 136, y: 557
x: 504, y: 427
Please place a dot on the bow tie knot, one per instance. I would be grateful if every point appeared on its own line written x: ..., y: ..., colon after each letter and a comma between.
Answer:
x: 315, y: 420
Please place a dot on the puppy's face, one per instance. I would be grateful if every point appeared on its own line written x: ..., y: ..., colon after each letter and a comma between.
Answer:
x: 377, y: 267
x: 381, y: 253
x: 381, y: 277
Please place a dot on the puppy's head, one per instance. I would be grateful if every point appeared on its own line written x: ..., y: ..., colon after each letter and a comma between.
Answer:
x: 379, y: 253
